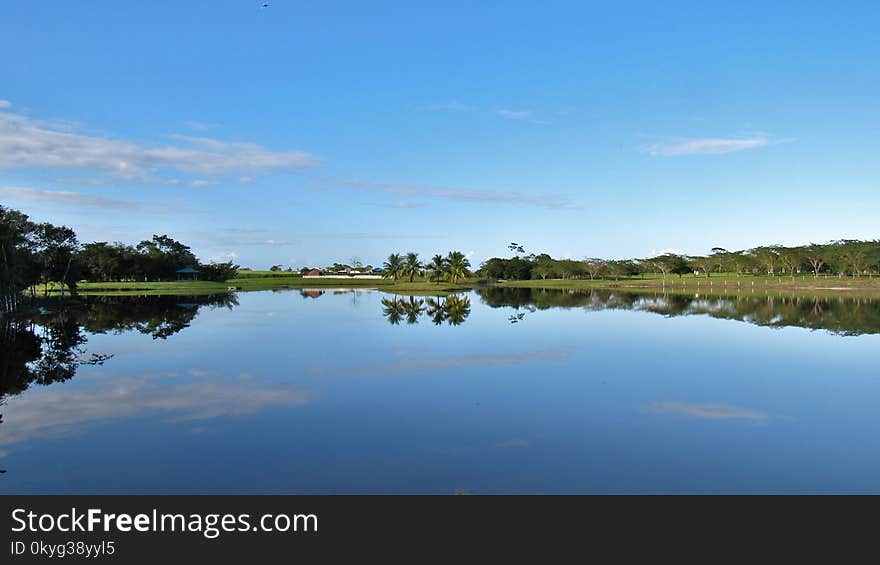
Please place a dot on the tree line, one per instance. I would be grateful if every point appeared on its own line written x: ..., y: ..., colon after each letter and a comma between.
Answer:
x: 454, y: 267
x: 33, y: 255
x: 846, y: 257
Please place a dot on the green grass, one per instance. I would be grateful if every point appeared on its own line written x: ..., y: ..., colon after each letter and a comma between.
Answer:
x: 722, y: 283
x: 274, y: 282
x: 716, y: 284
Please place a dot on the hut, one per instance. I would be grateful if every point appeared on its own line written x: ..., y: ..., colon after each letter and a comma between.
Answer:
x: 188, y: 274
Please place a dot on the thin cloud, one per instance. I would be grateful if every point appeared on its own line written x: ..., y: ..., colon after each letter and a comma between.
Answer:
x: 465, y: 195
x: 201, y: 183
x: 223, y: 257
x: 453, y: 106
x: 25, y: 142
x: 366, y: 235
x: 200, y: 126
x: 666, y: 251
x: 707, y: 411
x: 703, y: 146
x: 68, y: 198
x: 5, y: 104
x: 417, y: 366
x: 513, y: 114
x: 402, y: 205
x: 520, y: 115
x: 60, y: 412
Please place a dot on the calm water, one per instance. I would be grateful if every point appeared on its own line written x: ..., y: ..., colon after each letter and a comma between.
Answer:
x: 513, y: 391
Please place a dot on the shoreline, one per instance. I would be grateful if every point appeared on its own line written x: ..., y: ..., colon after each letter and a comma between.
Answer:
x: 716, y: 285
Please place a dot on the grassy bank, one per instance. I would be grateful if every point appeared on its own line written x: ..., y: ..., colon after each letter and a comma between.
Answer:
x: 273, y: 282
x: 716, y: 284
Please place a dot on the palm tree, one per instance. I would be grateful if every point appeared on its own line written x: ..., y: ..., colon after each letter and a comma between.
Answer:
x: 435, y: 310
x: 437, y: 266
x: 458, y: 265
x: 412, y: 266
x: 458, y: 308
x: 393, y: 267
x: 393, y: 310
x: 413, y: 310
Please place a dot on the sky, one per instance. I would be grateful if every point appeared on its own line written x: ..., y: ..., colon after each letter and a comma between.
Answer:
x: 314, y: 132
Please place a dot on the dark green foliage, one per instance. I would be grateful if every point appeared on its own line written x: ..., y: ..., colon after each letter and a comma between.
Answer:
x: 218, y: 271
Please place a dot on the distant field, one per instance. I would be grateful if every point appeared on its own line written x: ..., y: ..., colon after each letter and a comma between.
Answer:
x: 255, y: 280
x: 719, y: 283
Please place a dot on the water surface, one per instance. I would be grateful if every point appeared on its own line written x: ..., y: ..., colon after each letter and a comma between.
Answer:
x: 494, y: 391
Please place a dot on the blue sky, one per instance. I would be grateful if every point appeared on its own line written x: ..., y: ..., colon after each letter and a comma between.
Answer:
x: 312, y: 132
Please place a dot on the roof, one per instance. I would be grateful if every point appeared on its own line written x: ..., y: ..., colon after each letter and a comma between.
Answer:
x: 187, y: 270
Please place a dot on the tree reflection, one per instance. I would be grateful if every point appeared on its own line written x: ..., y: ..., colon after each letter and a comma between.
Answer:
x: 47, y: 345
x: 452, y: 310
x: 837, y: 314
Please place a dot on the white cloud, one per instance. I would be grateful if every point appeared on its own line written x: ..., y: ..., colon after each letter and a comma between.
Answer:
x: 403, y: 205
x: 453, y: 105
x: 513, y: 114
x: 201, y: 183
x: 706, y: 411
x: 467, y: 195
x: 5, y: 104
x: 223, y: 257
x: 245, y: 180
x: 25, y: 142
x: 200, y: 126
x: 68, y: 198
x: 666, y: 251
x: 419, y: 366
x: 62, y: 411
x: 521, y: 115
x: 703, y: 146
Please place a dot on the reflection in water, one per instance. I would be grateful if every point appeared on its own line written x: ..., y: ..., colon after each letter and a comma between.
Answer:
x: 838, y: 315
x: 62, y: 411
x: 49, y: 345
x: 158, y: 316
x: 571, y: 406
x: 453, y: 309
x: 707, y: 411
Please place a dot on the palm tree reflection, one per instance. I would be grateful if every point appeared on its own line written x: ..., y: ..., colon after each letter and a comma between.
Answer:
x: 453, y: 309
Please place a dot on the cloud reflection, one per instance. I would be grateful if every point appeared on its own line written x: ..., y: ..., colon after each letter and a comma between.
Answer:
x: 707, y: 411
x: 458, y: 362
x: 63, y: 410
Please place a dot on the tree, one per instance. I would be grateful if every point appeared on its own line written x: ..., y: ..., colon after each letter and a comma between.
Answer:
x: 275, y: 268
x: 670, y: 263
x: 19, y: 269
x: 162, y: 256
x: 458, y: 266
x: 393, y: 267
x: 767, y: 257
x: 855, y: 260
x: 219, y: 271
x: 622, y: 268
x: 791, y: 259
x: 594, y: 266
x: 815, y: 255
x: 437, y: 267
x: 705, y: 264
x: 55, y: 248
x: 412, y: 266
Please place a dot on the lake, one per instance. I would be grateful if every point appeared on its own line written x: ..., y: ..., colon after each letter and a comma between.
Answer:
x: 491, y: 391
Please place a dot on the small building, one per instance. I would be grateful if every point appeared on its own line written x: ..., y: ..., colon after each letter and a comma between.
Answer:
x: 188, y: 273
x: 313, y: 273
